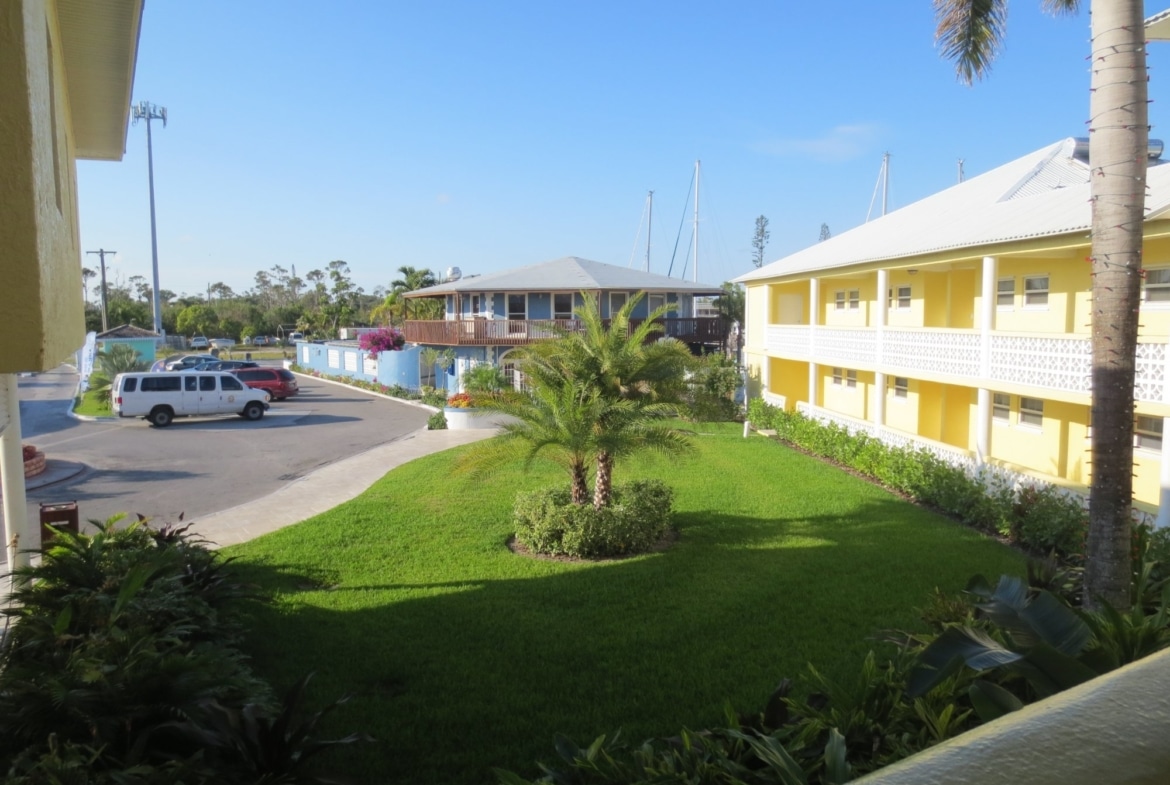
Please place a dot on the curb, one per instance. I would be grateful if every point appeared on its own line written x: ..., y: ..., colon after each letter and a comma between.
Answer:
x: 406, y: 401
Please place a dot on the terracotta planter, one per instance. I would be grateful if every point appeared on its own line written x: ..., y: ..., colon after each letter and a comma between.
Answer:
x: 34, y: 465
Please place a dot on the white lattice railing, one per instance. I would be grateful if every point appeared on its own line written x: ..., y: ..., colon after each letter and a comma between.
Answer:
x: 1045, y: 362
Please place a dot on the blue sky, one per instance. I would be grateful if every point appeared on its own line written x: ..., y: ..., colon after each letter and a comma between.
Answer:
x: 494, y: 135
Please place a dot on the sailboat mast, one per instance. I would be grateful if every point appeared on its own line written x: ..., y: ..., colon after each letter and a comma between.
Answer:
x: 649, y: 224
x: 885, y: 182
x: 696, y: 264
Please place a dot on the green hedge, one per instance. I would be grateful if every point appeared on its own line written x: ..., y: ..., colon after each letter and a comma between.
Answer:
x: 638, y: 517
x: 1039, y: 517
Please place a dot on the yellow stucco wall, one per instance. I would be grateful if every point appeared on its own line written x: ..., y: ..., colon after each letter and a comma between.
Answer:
x: 850, y: 401
x: 790, y: 379
x: 41, y: 306
x: 1068, y: 284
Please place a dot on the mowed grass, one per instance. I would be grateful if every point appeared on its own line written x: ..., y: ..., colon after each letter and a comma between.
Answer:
x: 462, y: 655
x: 94, y: 403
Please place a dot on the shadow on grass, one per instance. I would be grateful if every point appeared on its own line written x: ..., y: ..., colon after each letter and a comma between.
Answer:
x: 483, y: 665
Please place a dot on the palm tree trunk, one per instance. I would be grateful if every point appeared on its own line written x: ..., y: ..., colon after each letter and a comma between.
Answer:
x: 579, y: 488
x: 1119, y: 137
x: 602, y: 484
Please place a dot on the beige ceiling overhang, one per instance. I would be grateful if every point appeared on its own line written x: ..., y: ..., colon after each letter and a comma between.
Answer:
x: 99, y: 46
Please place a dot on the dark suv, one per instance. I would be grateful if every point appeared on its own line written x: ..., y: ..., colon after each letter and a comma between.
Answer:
x: 279, y: 383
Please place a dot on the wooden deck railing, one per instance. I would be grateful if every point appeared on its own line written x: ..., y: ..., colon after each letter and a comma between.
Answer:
x: 520, y: 332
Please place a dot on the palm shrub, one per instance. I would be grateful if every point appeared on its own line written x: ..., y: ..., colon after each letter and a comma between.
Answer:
x: 116, y: 358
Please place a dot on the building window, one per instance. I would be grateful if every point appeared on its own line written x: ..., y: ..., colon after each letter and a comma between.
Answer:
x: 851, y: 379
x: 1031, y: 411
x: 562, y: 306
x: 517, y: 307
x: 900, y: 297
x: 901, y: 387
x: 1005, y: 292
x: 1001, y: 407
x: 854, y: 299
x: 1157, y: 289
x: 838, y: 376
x: 840, y: 301
x: 655, y: 301
x: 616, y: 301
x: 1036, y: 290
x: 1148, y: 433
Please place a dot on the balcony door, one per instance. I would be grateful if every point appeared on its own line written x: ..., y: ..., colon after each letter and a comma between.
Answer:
x: 517, y: 313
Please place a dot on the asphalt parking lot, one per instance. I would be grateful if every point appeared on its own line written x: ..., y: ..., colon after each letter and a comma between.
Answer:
x: 198, y: 466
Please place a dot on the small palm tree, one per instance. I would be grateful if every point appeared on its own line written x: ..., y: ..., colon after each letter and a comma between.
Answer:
x: 592, y: 396
x: 109, y: 362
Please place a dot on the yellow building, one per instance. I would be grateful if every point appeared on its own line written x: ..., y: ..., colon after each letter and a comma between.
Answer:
x: 961, y: 323
x: 66, y: 72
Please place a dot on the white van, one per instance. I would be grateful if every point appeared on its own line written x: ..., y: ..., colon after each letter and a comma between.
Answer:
x: 161, y: 397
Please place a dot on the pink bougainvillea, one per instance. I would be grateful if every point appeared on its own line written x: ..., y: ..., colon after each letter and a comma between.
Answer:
x: 384, y: 339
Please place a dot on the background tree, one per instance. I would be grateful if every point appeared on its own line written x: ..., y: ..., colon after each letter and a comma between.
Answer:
x: 970, y: 32
x: 760, y: 241
x: 731, y: 307
x: 86, y: 274
x: 825, y: 233
x: 197, y: 320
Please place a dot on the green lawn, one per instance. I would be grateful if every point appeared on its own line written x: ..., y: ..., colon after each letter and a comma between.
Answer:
x: 94, y: 403
x: 462, y: 656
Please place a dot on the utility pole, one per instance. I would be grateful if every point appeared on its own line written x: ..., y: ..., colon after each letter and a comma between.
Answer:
x: 148, y: 111
x: 101, y: 252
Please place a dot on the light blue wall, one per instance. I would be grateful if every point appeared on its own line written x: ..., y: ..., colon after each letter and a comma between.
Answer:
x: 400, y: 367
x: 144, y: 346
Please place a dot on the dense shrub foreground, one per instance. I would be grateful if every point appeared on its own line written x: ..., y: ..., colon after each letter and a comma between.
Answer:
x: 121, y: 665
x: 463, y: 656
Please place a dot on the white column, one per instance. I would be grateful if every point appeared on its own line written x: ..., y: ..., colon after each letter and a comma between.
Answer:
x: 986, y: 326
x: 12, y: 477
x: 1164, y: 480
x: 879, y: 378
x: 814, y: 312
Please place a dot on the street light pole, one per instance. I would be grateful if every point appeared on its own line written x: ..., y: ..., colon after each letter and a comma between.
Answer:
x: 148, y: 111
x: 105, y: 302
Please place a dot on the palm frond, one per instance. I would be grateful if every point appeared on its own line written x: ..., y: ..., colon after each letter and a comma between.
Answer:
x: 970, y: 32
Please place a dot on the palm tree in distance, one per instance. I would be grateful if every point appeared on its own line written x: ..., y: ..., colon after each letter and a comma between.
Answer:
x: 970, y: 33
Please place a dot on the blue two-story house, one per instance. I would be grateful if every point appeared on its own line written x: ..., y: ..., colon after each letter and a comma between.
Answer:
x: 486, y: 316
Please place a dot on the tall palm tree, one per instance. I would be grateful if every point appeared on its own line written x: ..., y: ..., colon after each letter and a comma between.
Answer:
x: 970, y: 33
x: 412, y: 279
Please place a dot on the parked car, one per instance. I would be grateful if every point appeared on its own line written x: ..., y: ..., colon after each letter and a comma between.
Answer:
x: 279, y: 383
x: 223, y: 365
x: 161, y: 397
x: 261, y: 340
x: 199, y: 342
x: 294, y: 337
x: 222, y: 343
x: 189, y: 361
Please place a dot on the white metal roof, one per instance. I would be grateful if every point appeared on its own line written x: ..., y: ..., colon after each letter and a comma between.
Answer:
x: 1044, y: 193
x: 569, y: 274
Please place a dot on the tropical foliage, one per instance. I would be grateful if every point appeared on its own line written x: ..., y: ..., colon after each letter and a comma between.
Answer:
x: 121, y: 664
x: 114, y: 359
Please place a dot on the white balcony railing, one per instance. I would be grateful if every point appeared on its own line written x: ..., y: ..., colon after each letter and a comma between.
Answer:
x: 1049, y: 362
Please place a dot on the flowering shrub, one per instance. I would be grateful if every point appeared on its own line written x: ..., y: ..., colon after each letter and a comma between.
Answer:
x: 460, y: 401
x: 384, y: 339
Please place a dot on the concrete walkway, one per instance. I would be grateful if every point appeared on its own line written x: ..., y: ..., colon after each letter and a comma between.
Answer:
x: 327, y: 487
